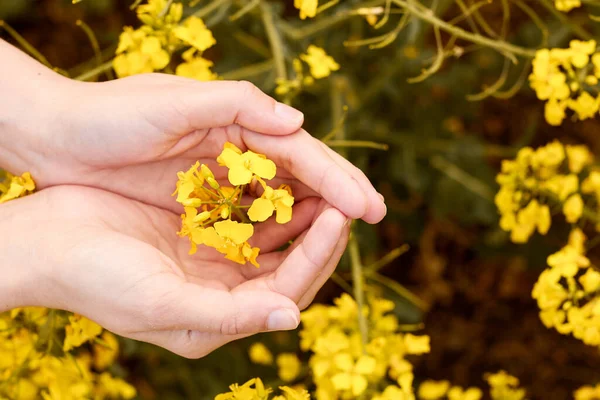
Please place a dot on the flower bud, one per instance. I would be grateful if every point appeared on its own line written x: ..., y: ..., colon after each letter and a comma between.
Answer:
x: 203, y: 216
x: 206, y: 172
x: 213, y: 183
x: 192, y: 202
x: 225, y: 213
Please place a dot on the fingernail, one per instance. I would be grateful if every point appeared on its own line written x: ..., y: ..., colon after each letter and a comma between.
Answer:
x: 286, y: 112
x: 348, y: 222
x: 282, y: 320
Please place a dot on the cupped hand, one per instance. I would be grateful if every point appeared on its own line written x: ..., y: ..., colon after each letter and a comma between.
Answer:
x: 132, y: 135
x: 119, y: 262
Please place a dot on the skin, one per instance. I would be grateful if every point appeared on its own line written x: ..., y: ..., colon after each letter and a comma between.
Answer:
x: 99, y: 237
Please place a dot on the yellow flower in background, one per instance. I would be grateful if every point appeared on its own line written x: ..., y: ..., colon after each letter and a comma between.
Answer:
x: 155, y: 12
x: 458, y: 393
x: 110, y: 387
x: 308, y: 8
x: 260, y: 354
x: 581, y: 52
x: 433, y: 390
x: 273, y: 200
x: 195, y: 33
x: 13, y: 187
x: 573, y: 208
x: 195, y: 67
x: 585, y: 106
x: 555, y: 112
x: 289, y: 366
x: 504, y: 386
x: 353, y: 376
x: 139, y: 53
x: 79, y: 331
x: 578, y: 157
x: 106, y: 351
x: 243, y: 166
x: 587, y: 392
x: 321, y: 65
x: 566, y: 5
x: 292, y: 394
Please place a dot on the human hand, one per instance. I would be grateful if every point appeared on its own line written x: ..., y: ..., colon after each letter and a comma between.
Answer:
x: 132, y: 135
x: 118, y: 262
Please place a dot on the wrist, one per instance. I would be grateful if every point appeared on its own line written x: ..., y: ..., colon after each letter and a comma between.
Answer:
x: 16, y: 249
x: 29, y: 94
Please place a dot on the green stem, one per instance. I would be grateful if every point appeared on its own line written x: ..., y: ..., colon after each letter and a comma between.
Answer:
x: 427, y: 15
x: 249, y: 71
x: 358, y: 289
x: 274, y: 40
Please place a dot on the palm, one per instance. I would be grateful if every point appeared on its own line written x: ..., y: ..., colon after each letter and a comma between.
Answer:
x: 146, y: 271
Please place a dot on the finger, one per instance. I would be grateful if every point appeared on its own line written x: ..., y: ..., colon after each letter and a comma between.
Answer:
x: 306, y: 261
x: 304, y: 157
x: 310, y: 294
x: 193, y: 307
x: 221, y: 103
x: 376, y: 209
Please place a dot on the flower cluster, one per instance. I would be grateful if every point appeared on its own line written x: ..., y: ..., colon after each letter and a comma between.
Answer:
x: 34, y: 366
x: 12, y: 187
x: 320, y: 65
x: 150, y: 47
x: 587, y: 393
x: 502, y: 387
x: 539, y: 179
x: 254, y: 389
x: 566, y: 79
x: 210, y: 207
x: 343, y: 367
x: 567, y: 292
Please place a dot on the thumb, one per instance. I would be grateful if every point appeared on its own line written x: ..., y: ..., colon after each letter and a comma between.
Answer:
x: 239, y: 312
x: 221, y: 103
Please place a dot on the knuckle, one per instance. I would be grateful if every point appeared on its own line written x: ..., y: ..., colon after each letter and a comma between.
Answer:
x: 248, y: 89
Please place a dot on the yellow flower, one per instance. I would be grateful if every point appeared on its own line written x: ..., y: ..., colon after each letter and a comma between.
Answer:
x: 139, y: 53
x: 251, y: 390
x: 579, y: 157
x: 321, y: 65
x: 289, y: 366
x: 105, y: 353
x: 353, y: 377
x: 79, y: 331
x: 195, y: 33
x: 13, y: 187
x: 573, y: 208
x: 114, y: 388
x: 279, y: 200
x: 154, y: 13
x: 458, y: 393
x: 293, y: 394
x: 504, y: 386
x: 416, y: 344
x: 587, y: 393
x: 554, y: 112
x: 195, y: 67
x: 581, y: 51
x: 243, y: 166
x: 308, y: 8
x: 229, y: 238
x: 433, y: 390
x: 260, y: 354
x: 585, y: 106
x: 191, y: 227
x: 566, y: 5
